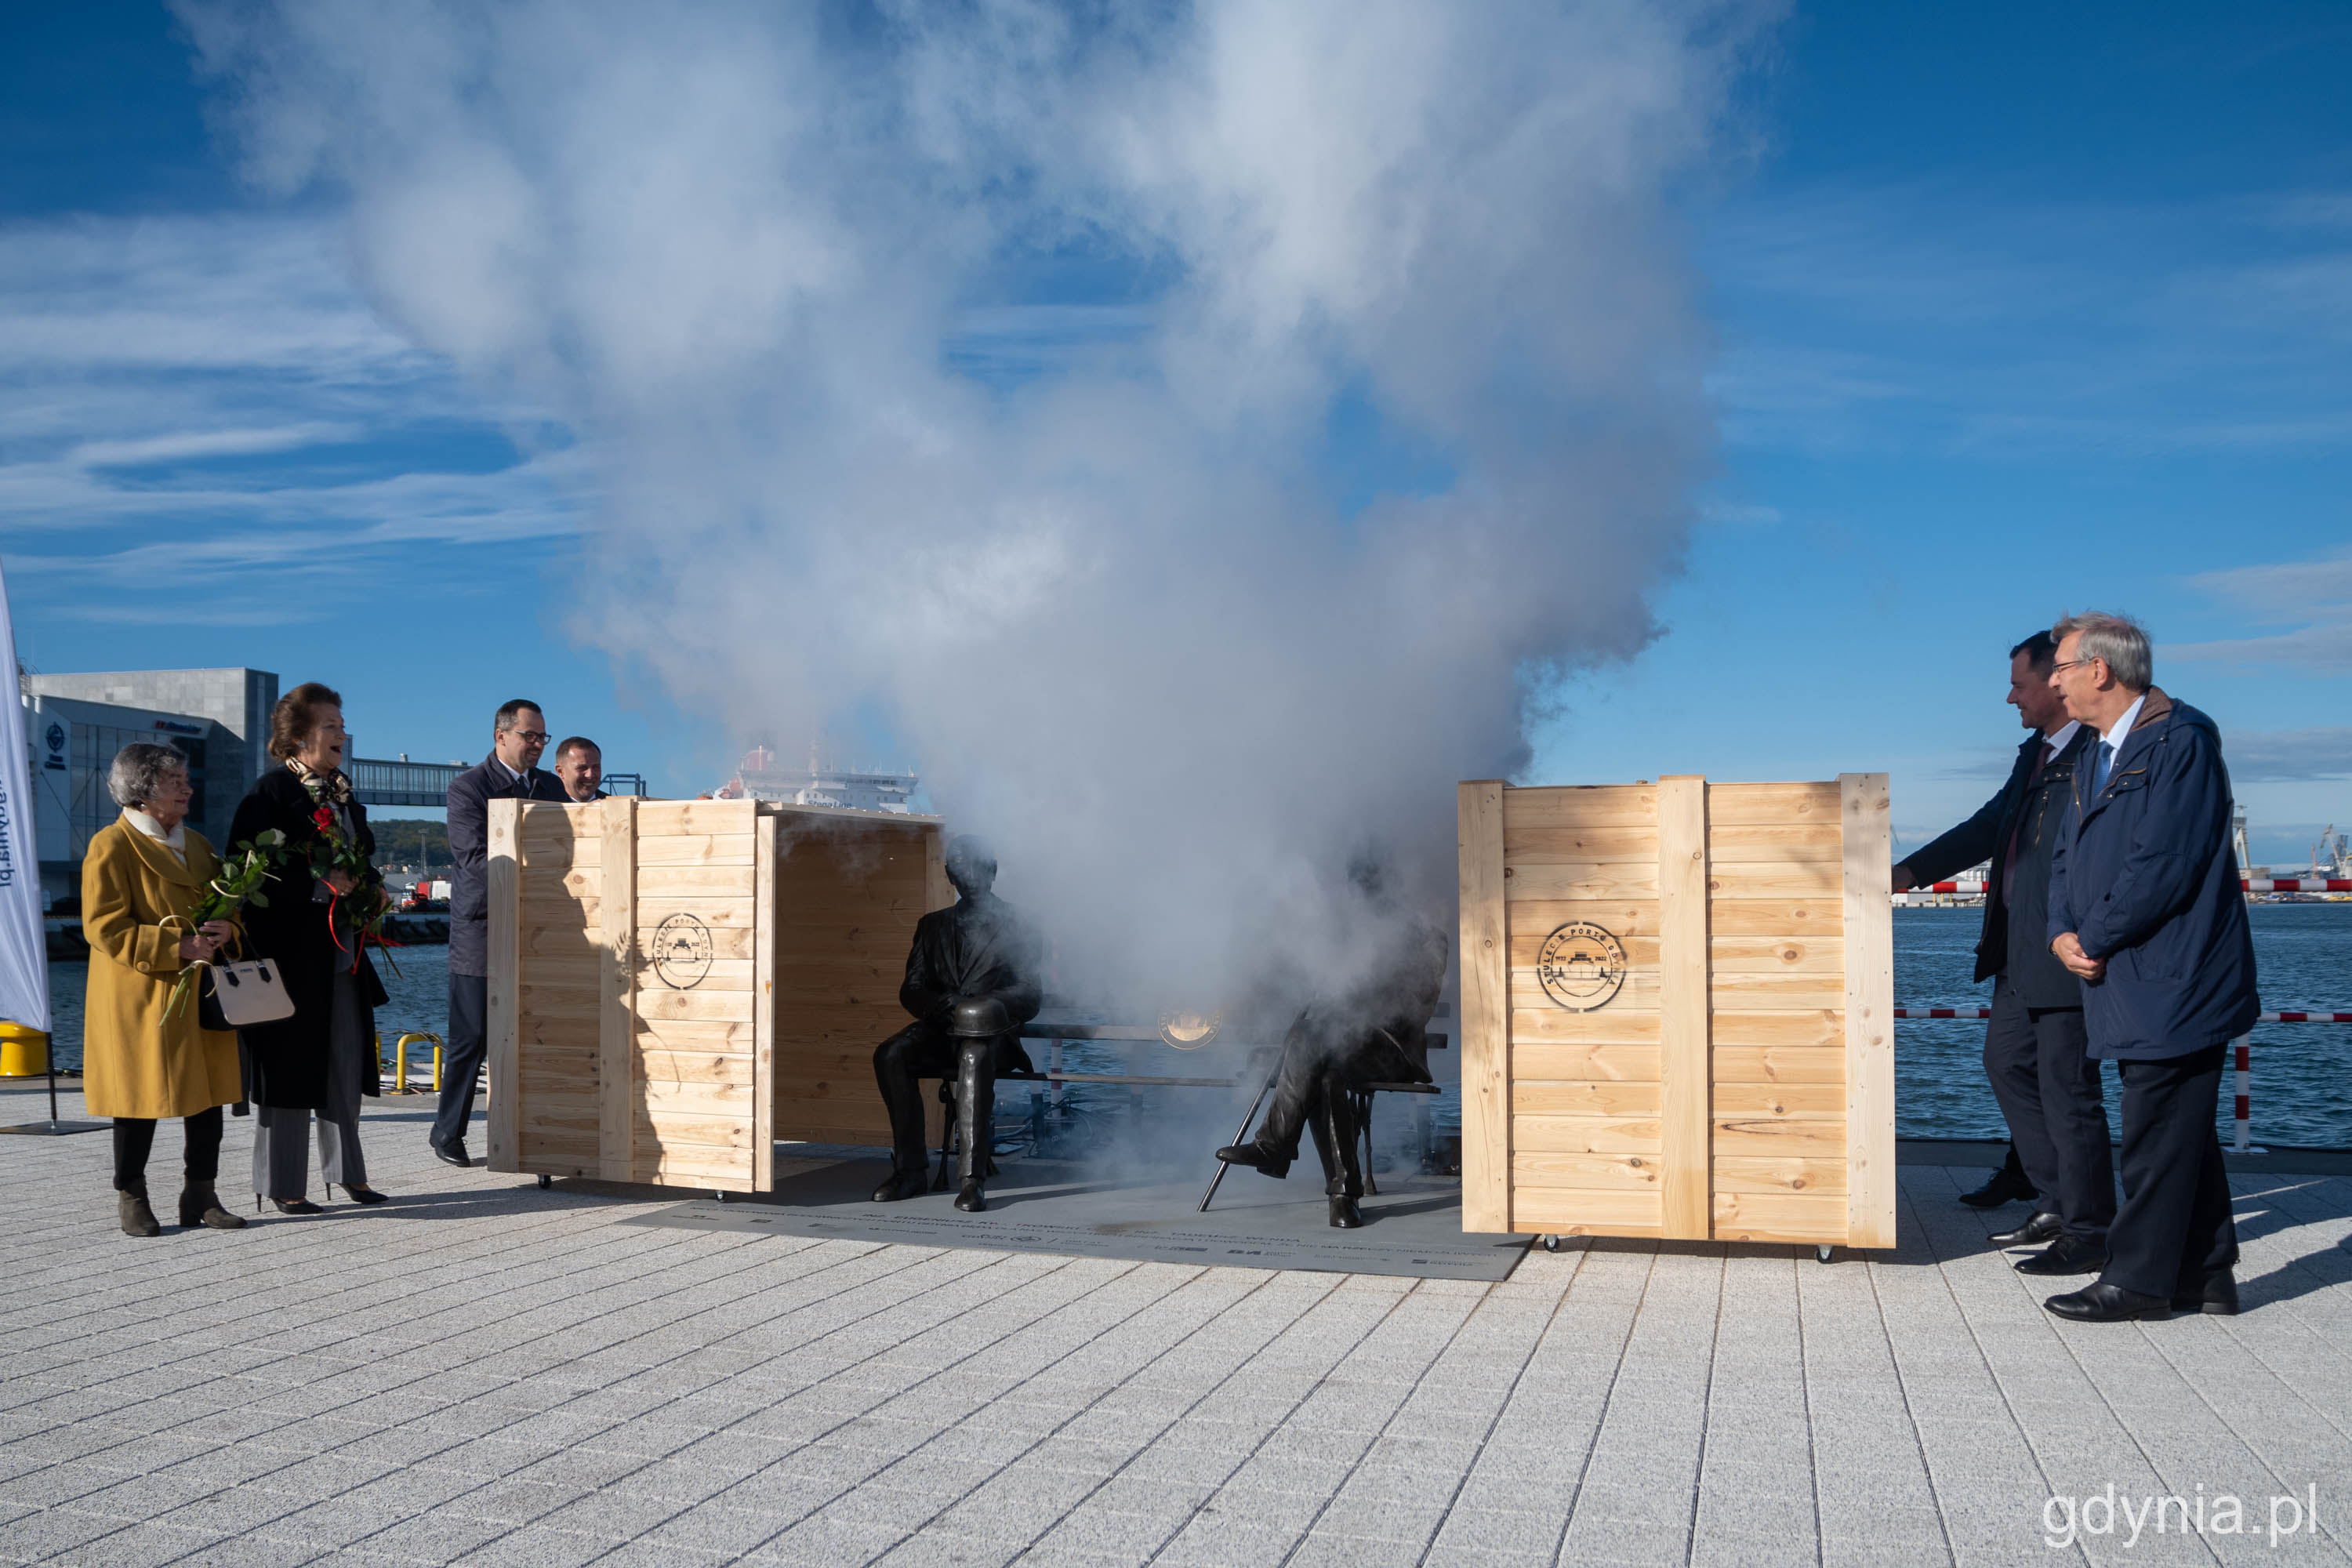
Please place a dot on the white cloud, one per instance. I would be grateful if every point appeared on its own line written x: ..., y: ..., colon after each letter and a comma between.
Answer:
x: 2313, y: 598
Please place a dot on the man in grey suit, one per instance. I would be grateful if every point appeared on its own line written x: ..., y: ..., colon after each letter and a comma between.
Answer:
x: 510, y: 773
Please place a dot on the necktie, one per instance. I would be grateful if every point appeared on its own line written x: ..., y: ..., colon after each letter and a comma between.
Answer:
x: 2009, y: 860
x: 2106, y: 760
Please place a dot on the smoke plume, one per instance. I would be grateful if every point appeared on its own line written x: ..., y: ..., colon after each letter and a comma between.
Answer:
x: 1030, y: 380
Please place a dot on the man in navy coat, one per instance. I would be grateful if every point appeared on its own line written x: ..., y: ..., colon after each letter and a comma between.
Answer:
x: 2145, y: 908
x: 2036, y: 1052
x: 518, y: 736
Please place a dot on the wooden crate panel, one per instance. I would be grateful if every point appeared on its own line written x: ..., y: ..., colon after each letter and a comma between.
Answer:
x: 718, y: 974
x: 1531, y: 1096
x: 1585, y: 1134
x: 670, y: 1130
x: 696, y: 1067
x: 1780, y: 1216
x: 1738, y: 1081
x: 660, y: 818
x: 1764, y: 1173
x: 696, y: 1034
x: 730, y: 943
x: 697, y: 1006
x: 693, y: 881
x: 694, y: 849
x: 1591, y: 1172
x: 1570, y: 1212
x: 664, y: 1097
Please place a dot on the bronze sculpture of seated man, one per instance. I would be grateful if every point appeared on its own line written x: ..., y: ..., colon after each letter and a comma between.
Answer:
x: 1376, y: 1033
x: 971, y: 982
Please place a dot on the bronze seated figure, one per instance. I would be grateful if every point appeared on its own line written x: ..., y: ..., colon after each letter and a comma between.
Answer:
x: 971, y: 982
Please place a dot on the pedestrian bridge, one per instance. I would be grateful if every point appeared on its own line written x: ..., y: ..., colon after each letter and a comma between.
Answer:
x: 403, y: 782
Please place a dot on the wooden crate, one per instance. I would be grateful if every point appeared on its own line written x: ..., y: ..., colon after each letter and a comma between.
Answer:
x: 676, y: 985
x: 1678, y: 1011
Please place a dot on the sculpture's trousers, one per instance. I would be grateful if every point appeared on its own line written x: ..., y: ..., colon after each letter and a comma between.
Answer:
x: 1312, y: 1092
x: 925, y: 1050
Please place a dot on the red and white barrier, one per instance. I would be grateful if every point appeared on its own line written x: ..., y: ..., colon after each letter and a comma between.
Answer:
x: 2259, y: 1017
x: 2243, y: 1142
x: 2250, y: 884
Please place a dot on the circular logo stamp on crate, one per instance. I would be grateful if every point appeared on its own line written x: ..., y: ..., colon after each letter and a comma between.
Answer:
x: 682, y: 952
x: 1583, y: 967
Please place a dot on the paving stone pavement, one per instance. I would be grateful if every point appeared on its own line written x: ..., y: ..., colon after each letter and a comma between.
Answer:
x: 487, y: 1373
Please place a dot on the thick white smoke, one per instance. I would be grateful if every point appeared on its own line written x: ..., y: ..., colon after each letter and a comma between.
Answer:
x: 1129, y: 613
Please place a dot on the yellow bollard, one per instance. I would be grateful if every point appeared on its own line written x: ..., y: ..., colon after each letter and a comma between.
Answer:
x: 437, y: 1066
x: 23, y: 1053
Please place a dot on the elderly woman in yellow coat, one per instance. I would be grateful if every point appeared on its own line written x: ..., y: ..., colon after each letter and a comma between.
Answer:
x: 142, y: 869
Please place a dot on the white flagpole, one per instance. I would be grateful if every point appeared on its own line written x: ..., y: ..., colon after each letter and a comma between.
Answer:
x: 24, y: 936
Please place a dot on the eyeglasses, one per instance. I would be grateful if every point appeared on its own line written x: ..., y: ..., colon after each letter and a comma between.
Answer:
x: 536, y: 737
x: 2068, y: 664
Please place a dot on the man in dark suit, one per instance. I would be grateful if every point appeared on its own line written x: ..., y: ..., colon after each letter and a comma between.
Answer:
x: 580, y: 768
x: 2035, y: 1051
x: 2146, y: 909
x: 510, y: 773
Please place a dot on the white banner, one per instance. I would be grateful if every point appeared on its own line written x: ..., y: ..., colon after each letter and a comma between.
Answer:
x: 24, y: 943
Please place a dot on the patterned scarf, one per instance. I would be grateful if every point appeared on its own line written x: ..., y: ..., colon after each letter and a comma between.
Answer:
x: 329, y: 788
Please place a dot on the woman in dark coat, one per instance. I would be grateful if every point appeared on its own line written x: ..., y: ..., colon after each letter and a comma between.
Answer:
x: 323, y: 1058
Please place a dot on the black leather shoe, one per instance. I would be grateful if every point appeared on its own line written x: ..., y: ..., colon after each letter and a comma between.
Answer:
x: 366, y: 1195
x: 904, y: 1185
x: 451, y: 1152
x: 2067, y: 1254
x: 2220, y: 1297
x: 971, y: 1200
x: 300, y: 1206
x: 1345, y: 1214
x: 2037, y: 1229
x: 2106, y: 1303
x: 2003, y: 1186
x: 1254, y: 1156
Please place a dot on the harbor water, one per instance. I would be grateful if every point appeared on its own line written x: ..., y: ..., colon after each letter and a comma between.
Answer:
x: 2302, y: 1072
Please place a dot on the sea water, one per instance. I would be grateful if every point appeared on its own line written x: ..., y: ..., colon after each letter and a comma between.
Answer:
x: 2302, y: 1072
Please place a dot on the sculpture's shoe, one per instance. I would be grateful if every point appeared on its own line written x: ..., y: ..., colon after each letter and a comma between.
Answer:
x: 902, y: 1185
x: 1345, y: 1214
x: 2037, y: 1229
x: 1254, y: 1156
x: 971, y: 1199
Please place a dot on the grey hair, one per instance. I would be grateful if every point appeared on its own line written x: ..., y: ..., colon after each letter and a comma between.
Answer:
x: 138, y: 772
x: 2118, y: 639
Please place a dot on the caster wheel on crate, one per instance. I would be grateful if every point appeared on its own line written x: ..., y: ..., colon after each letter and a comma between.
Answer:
x: 545, y: 1180
x: 1820, y: 1254
x: 720, y: 1196
x: 1551, y: 1243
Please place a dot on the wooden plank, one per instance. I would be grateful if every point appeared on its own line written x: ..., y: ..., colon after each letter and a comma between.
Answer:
x: 1613, y: 882
x: 1586, y: 1135
x: 1580, y: 805
x: 696, y: 1035
x: 695, y: 850
x: 729, y: 911
x: 1774, y: 954
x: 1586, y: 1099
x: 1586, y: 1173
x: 1784, y: 992
x: 1683, y: 1004
x: 1580, y: 845
x: 694, y: 881
x: 616, y: 1013
x: 1780, y: 1216
x: 693, y: 1066
x: 1802, y: 842
x: 665, y: 1131
x: 1527, y: 940
x: 1558, y: 1211
x: 670, y: 818
x: 1777, y: 880
x: 504, y: 1017
x: 1799, y: 917
x: 1869, y: 1012
x: 1759, y: 1174
x: 662, y: 1098
x: 1558, y: 1025
x: 1573, y: 1062
x: 560, y: 910
x: 719, y: 974
x: 568, y: 855
x: 1824, y: 1137
x: 729, y: 944
x: 766, y: 836
x: 1771, y: 805
x: 1627, y: 919
x: 1743, y: 1099
x: 1779, y: 1064
x: 1820, y: 1027
x: 698, y: 1007
x: 1638, y: 994
x: 1485, y: 954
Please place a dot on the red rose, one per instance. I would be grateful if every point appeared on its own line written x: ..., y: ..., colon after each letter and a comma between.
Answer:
x: 323, y: 818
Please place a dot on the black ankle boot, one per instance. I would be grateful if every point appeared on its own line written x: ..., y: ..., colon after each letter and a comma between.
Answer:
x: 1256, y: 1157
x: 131, y: 1208
x: 906, y: 1181
x: 201, y: 1205
x: 1345, y: 1214
x: 969, y: 1198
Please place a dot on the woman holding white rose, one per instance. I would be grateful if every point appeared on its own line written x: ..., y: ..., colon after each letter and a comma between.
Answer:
x: 323, y: 1058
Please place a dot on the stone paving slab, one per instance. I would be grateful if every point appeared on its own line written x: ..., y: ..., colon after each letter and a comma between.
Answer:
x: 484, y: 1373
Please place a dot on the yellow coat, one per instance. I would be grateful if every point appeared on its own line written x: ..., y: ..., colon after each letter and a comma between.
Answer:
x: 135, y: 1061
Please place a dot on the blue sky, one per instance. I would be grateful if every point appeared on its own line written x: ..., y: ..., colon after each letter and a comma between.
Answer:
x: 2014, y: 312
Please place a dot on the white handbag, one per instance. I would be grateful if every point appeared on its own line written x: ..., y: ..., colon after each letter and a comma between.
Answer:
x: 239, y: 995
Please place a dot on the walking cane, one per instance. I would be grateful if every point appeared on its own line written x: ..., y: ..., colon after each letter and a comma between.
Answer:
x: 1241, y: 1132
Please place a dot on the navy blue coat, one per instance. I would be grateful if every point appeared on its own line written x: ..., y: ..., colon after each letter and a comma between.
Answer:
x: 469, y: 799
x: 2145, y: 877
x: 2011, y: 944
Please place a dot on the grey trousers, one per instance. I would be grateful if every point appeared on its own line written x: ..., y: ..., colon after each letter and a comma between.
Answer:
x: 281, y: 1137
